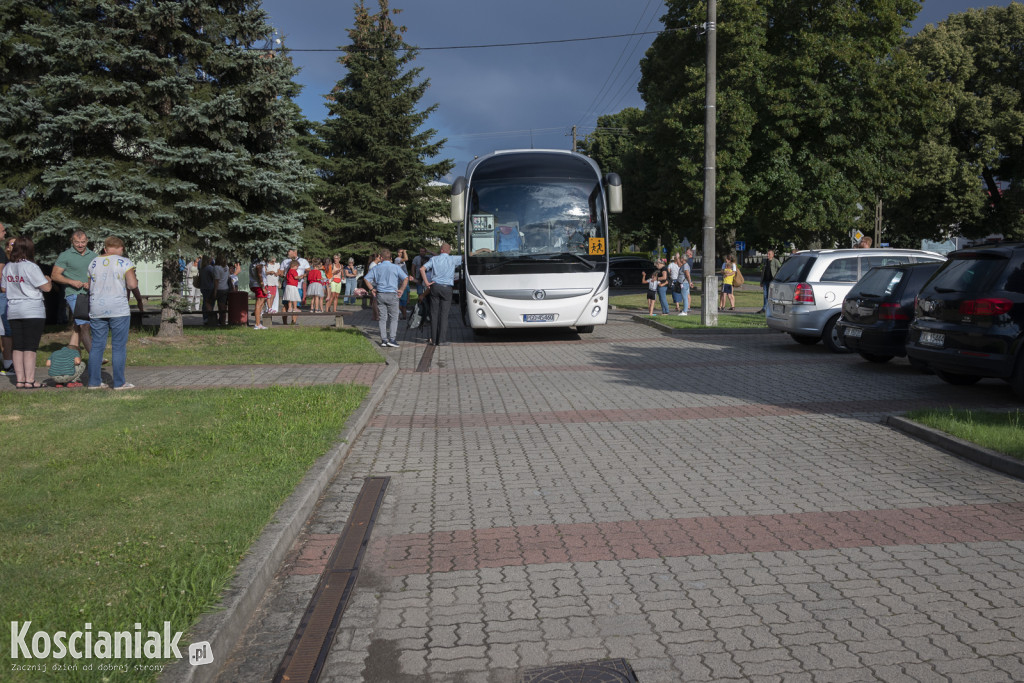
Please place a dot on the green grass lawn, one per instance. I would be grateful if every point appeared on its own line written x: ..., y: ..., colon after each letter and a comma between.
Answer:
x: 237, y: 345
x: 117, y: 509
x: 1003, y: 432
x: 745, y: 298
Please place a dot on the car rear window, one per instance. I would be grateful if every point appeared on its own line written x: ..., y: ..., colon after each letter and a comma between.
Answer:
x: 841, y: 270
x: 967, y: 275
x: 795, y: 268
x: 886, y: 260
x: 878, y: 282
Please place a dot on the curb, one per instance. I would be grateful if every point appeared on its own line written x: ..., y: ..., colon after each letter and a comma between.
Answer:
x: 699, y: 331
x: 964, y: 449
x: 223, y: 627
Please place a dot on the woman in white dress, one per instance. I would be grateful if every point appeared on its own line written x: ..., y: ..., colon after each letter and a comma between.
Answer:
x: 273, y: 275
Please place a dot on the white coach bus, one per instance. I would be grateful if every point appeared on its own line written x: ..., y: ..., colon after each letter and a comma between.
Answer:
x: 533, y: 226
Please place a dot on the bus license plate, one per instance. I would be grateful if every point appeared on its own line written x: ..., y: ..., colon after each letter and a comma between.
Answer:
x: 937, y: 339
x: 538, y: 317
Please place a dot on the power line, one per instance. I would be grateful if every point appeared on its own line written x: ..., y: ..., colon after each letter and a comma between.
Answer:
x: 352, y: 48
x: 612, y: 73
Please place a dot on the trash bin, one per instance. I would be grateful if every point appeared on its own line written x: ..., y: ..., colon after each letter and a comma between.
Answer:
x: 238, y: 308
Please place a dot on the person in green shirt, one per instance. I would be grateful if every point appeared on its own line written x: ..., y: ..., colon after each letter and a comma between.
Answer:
x: 66, y: 367
x: 72, y: 271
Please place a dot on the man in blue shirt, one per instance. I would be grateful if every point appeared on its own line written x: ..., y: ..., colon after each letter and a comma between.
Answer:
x: 387, y: 282
x: 439, y: 277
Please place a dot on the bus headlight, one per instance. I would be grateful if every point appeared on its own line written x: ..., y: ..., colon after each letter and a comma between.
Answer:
x: 480, y: 314
x: 596, y: 311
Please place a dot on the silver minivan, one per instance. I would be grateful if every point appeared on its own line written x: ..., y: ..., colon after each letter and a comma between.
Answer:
x: 806, y: 297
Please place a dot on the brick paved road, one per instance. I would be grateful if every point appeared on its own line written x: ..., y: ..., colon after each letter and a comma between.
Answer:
x: 711, y: 508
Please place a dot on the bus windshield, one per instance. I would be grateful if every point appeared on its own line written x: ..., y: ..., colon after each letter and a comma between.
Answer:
x: 535, y: 225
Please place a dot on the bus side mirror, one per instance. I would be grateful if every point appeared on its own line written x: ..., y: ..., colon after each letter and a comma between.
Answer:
x: 459, y: 200
x: 613, y: 188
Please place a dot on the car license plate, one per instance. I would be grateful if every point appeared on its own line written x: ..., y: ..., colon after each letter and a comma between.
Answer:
x: 932, y: 339
x: 778, y: 309
x: 852, y: 332
x: 538, y: 317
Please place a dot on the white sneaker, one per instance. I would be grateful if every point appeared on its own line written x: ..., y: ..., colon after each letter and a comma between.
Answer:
x: 123, y: 387
x: 101, y: 386
x: 682, y: 313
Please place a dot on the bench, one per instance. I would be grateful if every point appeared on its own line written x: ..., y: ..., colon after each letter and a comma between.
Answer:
x: 339, y: 317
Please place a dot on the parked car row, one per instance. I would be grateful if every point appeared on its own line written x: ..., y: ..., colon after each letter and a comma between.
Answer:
x: 961, y: 318
x: 806, y: 297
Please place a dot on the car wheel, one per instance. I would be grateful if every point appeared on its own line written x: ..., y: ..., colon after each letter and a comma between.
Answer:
x: 1017, y: 381
x: 805, y: 340
x: 584, y: 329
x: 876, y: 358
x: 616, y: 281
x: 957, y: 379
x: 832, y: 338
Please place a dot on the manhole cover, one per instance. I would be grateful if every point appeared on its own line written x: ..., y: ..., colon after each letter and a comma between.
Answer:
x: 604, y: 671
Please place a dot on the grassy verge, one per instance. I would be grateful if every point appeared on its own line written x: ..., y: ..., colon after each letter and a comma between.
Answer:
x: 1003, y: 432
x: 746, y: 297
x: 237, y: 346
x: 117, y: 509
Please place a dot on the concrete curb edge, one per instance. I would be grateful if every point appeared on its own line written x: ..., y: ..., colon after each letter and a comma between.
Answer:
x: 701, y: 331
x: 224, y: 626
x: 964, y: 449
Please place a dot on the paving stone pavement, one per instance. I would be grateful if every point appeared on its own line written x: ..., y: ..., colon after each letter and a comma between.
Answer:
x: 714, y: 507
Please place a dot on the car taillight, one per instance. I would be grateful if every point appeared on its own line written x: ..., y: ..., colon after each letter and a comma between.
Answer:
x: 985, y: 307
x: 891, y: 312
x: 803, y: 294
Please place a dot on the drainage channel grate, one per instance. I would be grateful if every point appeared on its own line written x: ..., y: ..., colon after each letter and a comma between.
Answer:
x: 428, y: 354
x: 604, y: 671
x: 304, y: 660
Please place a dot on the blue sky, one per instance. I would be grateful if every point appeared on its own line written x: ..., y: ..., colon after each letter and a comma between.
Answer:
x: 508, y: 97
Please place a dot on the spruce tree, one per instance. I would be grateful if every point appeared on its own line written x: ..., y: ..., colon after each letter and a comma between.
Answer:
x: 376, y: 168
x: 156, y: 122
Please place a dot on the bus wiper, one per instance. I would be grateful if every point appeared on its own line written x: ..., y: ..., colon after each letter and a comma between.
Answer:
x: 579, y: 258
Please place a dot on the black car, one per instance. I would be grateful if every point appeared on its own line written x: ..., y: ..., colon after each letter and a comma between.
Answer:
x: 878, y: 310
x: 969, y: 318
x: 627, y: 271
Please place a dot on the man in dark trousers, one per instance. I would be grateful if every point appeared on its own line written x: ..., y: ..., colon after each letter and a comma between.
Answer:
x: 438, y: 276
x: 771, y: 268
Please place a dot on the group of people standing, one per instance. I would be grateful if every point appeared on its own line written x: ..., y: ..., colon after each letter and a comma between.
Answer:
x: 675, y: 276
x: 387, y: 282
x: 290, y: 282
x: 104, y: 279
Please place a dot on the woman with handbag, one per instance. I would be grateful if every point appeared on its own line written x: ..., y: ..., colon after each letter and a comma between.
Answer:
x: 351, y: 280
x: 24, y: 284
x: 728, y: 276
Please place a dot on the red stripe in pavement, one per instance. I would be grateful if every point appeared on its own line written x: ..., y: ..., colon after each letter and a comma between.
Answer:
x: 469, y: 420
x: 543, y: 544
x: 598, y: 366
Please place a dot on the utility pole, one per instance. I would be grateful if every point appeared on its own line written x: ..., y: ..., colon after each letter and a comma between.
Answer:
x: 574, y: 138
x: 878, y: 224
x: 709, y: 301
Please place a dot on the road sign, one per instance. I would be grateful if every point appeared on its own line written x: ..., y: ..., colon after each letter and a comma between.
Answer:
x: 740, y: 246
